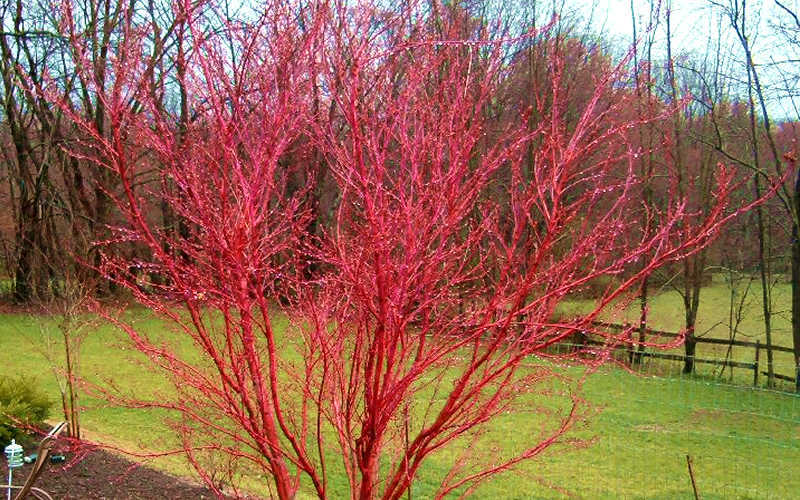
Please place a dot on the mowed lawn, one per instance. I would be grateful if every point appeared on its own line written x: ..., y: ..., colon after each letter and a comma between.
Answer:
x: 744, y: 442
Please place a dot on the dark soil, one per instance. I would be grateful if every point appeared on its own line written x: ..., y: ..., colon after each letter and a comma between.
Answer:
x: 101, y: 474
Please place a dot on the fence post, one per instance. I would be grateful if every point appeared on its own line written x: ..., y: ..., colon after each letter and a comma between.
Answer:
x: 755, y: 364
x: 797, y: 378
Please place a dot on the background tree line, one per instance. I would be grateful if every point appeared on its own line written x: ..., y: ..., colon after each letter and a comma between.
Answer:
x: 60, y: 206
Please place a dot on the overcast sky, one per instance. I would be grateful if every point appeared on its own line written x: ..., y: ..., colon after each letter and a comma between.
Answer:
x: 697, y: 27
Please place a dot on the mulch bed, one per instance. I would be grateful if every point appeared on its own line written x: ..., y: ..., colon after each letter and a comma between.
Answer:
x: 102, y: 474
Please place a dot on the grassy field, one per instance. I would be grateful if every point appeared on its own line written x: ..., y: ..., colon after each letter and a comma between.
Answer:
x: 744, y: 442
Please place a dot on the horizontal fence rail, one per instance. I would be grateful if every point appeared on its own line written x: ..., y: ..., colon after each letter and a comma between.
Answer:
x: 649, y: 332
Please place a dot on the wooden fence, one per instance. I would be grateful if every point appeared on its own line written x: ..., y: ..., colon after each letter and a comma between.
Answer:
x: 755, y: 365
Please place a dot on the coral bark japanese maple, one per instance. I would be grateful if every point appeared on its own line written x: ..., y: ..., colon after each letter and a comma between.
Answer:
x: 463, y: 220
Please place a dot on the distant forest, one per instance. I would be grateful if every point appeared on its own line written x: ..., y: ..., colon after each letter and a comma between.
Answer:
x: 65, y: 64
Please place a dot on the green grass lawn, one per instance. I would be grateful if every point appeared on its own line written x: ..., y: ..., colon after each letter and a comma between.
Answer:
x: 744, y: 442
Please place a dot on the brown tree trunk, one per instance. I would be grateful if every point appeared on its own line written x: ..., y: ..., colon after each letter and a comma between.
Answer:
x: 691, y: 300
x: 766, y: 295
x: 796, y: 286
x: 636, y: 357
x: 23, y: 274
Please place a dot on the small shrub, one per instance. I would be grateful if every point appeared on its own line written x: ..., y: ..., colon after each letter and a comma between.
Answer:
x: 22, y: 405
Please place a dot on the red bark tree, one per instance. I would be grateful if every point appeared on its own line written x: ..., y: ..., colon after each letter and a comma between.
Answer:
x: 433, y: 304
